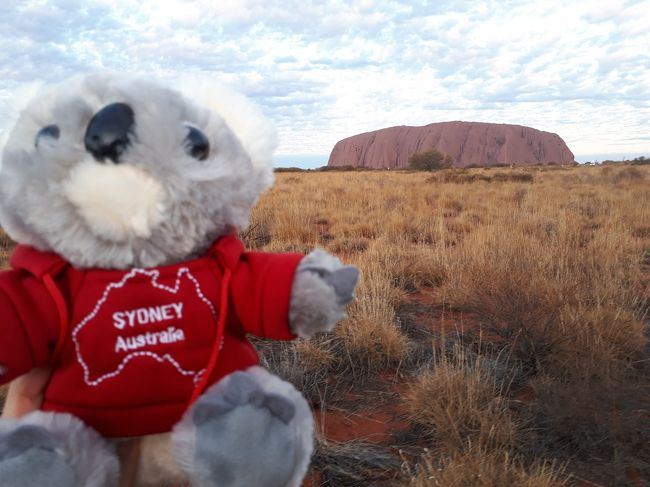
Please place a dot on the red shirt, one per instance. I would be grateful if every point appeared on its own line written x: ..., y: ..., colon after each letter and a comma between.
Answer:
x: 137, y: 342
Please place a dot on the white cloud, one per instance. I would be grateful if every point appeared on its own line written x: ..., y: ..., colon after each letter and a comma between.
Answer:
x: 327, y: 70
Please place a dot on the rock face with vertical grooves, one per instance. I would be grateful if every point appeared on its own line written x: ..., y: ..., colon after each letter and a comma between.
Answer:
x: 468, y: 143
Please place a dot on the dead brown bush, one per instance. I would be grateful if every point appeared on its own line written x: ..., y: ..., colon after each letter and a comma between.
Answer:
x: 354, y: 463
x: 515, y: 177
x: 589, y: 422
x: 628, y: 174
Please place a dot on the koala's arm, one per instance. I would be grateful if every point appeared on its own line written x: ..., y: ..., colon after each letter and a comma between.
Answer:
x: 284, y: 296
x: 260, y: 292
x: 321, y: 289
x: 28, y: 324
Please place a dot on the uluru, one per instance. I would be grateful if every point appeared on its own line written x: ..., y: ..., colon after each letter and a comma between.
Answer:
x: 467, y: 143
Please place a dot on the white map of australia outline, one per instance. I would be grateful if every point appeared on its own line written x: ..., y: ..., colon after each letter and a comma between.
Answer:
x: 153, y: 275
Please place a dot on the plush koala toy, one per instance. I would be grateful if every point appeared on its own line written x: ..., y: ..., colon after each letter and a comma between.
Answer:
x: 130, y: 296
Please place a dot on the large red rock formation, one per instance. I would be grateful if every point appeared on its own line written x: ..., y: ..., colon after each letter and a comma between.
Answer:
x: 468, y: 143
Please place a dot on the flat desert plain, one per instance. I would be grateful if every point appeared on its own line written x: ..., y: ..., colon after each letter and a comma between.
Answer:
x: 500, y: 331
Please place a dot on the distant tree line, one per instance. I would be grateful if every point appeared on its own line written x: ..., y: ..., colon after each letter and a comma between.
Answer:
x: 637, y: 161
x: 326, y: 169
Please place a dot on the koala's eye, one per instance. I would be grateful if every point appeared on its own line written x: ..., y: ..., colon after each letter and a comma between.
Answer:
x: 196, y: 143
x: 51, y: 131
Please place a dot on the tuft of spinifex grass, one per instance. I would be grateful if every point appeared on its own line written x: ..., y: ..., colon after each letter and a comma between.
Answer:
x: 479, y: 467
x: 459, y: 401
x: 371, y: 336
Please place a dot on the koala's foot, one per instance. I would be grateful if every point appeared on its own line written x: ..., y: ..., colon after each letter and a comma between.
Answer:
x: 321, y: 289
x: 251, y: 429
x: 56, y: 450
x: 29, y: 456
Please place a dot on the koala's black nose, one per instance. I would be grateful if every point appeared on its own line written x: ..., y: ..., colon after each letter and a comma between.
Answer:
x: 107, y: 135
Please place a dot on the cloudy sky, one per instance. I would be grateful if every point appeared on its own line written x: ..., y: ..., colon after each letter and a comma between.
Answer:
x: 327, y: 70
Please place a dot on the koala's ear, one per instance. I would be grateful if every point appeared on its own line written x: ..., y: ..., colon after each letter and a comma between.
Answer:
x: 255, y: 132
x: 12, y: 106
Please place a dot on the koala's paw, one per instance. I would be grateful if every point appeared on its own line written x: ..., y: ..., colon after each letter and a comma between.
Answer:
x: 56, y: 450
x: 321, y: 289
x: 241, y: 390
x: 250, y: 429
x: 29, y: 456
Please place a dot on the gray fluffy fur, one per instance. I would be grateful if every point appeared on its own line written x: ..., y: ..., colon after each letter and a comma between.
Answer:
x: 91, y: 458
x: 315, y: 305
x: 203, y: 199
x: 301, y: 428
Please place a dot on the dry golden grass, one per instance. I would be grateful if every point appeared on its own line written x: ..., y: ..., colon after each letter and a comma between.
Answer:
x: 477, y: 467
x: 3, y: 395
x: 552, y: 264
x: 559, y: 279
x: 459, y: 402
x: 5, y: 249
x: 353, y: 463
